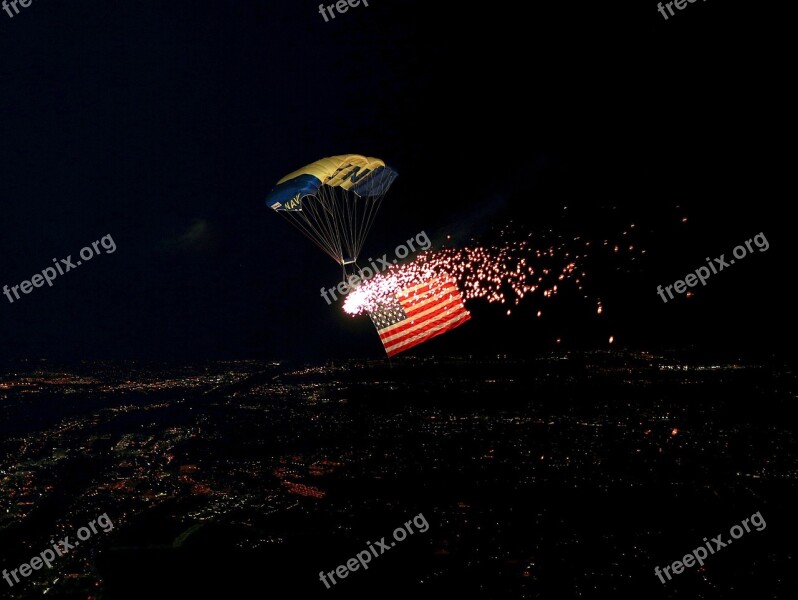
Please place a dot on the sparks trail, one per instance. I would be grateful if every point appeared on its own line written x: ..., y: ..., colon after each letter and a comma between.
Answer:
x: 505, y: 272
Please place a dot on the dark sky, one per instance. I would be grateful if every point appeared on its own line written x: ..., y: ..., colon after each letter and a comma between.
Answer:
x: 165, y: 124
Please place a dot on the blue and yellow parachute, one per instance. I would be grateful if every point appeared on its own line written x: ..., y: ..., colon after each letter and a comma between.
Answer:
x: 334, y: 201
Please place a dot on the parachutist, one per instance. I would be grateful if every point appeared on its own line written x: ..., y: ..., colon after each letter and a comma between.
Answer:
x: 334, y: 201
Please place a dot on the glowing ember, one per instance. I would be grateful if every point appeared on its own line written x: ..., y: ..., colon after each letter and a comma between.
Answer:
x: 500, y: 274
x: 518, y: 266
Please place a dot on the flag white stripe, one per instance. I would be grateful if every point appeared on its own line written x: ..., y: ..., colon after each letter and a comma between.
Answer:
x: 447, y: 290
x: 438, y: 303
x: 439, y: 300
x: 427, y: 333
x: 431, y: 284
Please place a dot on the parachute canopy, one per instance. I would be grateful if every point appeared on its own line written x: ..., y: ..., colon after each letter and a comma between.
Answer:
x: 334, y: 201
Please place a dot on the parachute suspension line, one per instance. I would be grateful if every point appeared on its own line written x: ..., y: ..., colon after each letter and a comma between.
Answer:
x: 346, y: 219
x: 350, y: 215
x: 301, y: 222
x: 360, y: 214
x: 314, y: 217
x: 329, y: 202
x: 329, y: 197
x: 323, y: 214
x: 336, y: 223
x: 373, y: 203
x: 340, y: 205
x: 334, y: 202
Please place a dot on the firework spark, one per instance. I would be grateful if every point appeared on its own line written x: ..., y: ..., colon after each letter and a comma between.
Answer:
x: 504, y: 273
x: 514, y: 267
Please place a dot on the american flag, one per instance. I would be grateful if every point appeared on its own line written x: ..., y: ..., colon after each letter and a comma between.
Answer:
x: 418, y: 313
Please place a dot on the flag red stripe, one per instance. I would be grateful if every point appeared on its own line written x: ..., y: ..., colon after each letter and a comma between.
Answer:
x: 424, y: 287
x: 401, y: 329
x: 416, y: 306
x: 448, y: 325
x: 418, y: 293
x: 419, y: 311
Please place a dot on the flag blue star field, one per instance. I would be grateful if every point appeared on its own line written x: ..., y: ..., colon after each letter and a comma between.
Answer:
x: 418, y: 313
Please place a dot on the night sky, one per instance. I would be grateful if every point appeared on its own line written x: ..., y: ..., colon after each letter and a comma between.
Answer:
x: 165, y: 125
